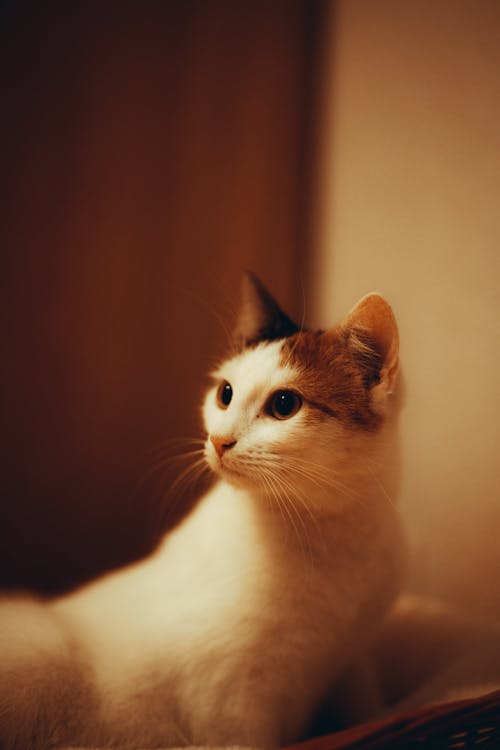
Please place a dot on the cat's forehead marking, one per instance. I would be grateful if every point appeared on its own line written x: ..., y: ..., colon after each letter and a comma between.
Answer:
x: 320, y: 366
x: 258, y: 367
x: 329, y: 376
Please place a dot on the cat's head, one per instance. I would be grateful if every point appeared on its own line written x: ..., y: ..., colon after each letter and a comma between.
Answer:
x: 296, y: 410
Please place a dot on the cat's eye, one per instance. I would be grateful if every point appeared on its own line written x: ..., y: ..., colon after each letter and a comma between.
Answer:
x: 224, y: 394
x: 284, y: 404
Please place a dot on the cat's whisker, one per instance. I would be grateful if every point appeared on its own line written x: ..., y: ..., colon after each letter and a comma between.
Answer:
x: 180, y: 487
x: 320, y: 479
x: 166, y: 446
x: 176, y: 458
x: 215, y: 314
x: 293, y: 497
x: 284, y: 494
x: 331, y: 478
x: 304, y: 304
x: 160, y: 468
x: 187, y: 471
x: 289, y: 358
x: 185, y: 489
x: 269, y: 485
x: 300, y: 496
x: 316, y: 478
x: 384, y: 491
x: 314, y: 466
x: 310, y: 472
x: 276, y: 497
x: 293, y: 460
x: 290, y: 510
x: 270, y: 489
x: 162, y: 456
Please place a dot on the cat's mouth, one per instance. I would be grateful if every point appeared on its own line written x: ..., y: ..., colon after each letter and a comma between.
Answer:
x: 225, y: 468
x: 231, y: 474
x: 224, y: 465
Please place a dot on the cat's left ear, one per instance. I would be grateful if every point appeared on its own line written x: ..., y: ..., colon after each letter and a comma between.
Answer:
x: 372, y: 326
x: 260, y: 317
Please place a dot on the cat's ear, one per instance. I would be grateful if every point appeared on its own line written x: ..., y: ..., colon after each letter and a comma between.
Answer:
x: 260, y: 317
x: 373, y: 333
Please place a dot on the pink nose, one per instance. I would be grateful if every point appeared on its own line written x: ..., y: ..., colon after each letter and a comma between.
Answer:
x: 221, y: 443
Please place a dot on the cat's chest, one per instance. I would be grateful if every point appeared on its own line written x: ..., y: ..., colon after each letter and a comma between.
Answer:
x: 224, y: 560
x: 232, y: 568
x: 239, y: 568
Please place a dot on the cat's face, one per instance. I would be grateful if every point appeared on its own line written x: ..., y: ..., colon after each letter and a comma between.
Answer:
x: 257, y: 404
x: 294, y: 413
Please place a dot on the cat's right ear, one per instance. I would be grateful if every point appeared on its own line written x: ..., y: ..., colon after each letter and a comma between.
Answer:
x: 260, y: 317
x: 373, y: 332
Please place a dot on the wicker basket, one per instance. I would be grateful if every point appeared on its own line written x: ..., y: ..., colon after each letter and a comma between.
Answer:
x: 473, y: 723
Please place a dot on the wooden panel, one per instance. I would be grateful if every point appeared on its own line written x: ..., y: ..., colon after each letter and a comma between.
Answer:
x: 149, y: 154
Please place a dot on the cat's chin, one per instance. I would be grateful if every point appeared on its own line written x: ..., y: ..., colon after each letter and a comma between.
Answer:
x: 229, y: 474
x: 233, y: 476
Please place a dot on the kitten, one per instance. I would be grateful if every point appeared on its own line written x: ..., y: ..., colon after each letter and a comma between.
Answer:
x: 236, y: 627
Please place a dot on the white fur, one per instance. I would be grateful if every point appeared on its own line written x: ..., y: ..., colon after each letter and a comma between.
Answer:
x: 236, y: 627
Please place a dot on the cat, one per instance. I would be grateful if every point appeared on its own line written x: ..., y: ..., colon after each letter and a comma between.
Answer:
x: 235, y: 628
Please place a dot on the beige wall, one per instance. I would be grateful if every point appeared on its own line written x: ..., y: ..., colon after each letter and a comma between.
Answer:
x: 410, y: 186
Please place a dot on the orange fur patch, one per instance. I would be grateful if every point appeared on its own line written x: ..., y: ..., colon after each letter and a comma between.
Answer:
x: 337, y: 369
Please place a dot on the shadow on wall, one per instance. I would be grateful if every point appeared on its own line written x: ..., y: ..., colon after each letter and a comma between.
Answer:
x: 149, y: 156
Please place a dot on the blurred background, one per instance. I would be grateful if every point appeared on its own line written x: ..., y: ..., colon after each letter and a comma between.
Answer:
x: 150, y: 153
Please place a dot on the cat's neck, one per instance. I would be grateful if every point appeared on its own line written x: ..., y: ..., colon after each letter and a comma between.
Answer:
x: 283, y: 527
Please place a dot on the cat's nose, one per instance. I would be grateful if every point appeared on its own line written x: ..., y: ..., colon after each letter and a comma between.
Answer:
x: 222, y: 443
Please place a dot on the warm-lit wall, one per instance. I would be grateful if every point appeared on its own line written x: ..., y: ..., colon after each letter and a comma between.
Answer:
x: 410, y: 179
